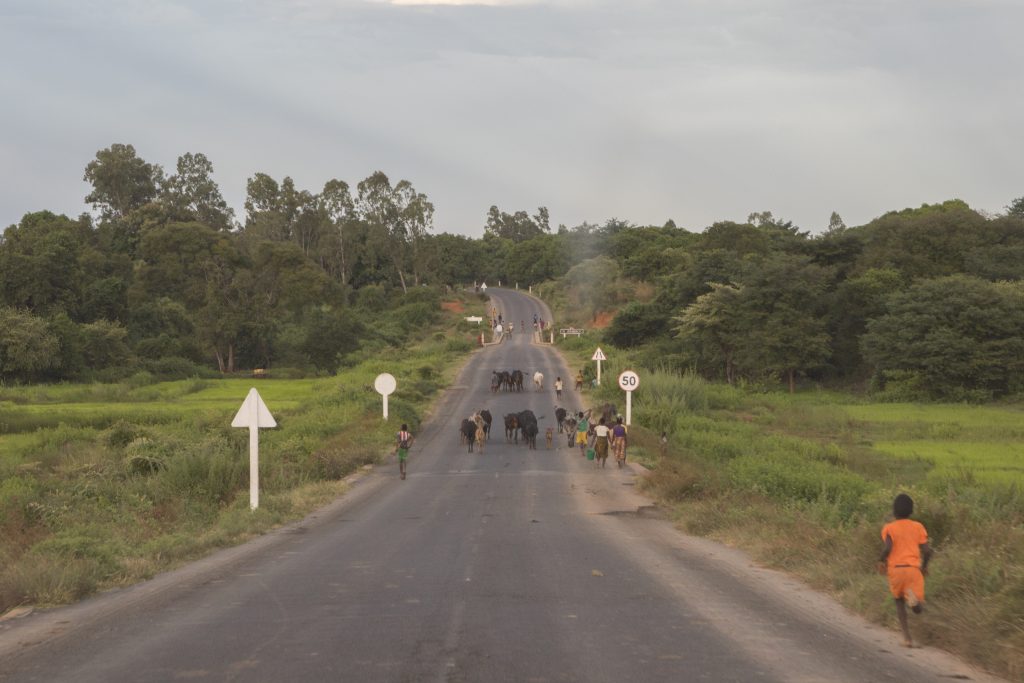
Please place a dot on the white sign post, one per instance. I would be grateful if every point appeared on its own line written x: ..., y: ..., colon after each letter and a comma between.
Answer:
x: 385, y: 384
x: 628, y: 382
x: 254, y: 414
x: 598, y: 356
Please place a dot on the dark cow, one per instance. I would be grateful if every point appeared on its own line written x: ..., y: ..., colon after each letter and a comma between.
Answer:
x: 511, y: 427
x: 609, y: 413
x: 528, y: 424
x: 516, y: 380
x: 560, y: 414
x: 486, y: 415
x: 468, y: 432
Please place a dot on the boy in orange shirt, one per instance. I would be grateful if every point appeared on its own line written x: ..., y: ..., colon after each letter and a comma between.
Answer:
x: 905, y: 560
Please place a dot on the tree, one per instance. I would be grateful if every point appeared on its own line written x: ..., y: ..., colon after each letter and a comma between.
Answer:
x: 835, y: 224
x: 39, y: 263
x: 336, y: 244
x: 27, y: 347
x: 927, y: 242
x: 637, y: 324
x: 958, y: 336
x: 782, y: 322
x: 191, y: 194
x: 517, y: 227
x: 710, y: 326
x: 121, y: 181
x: 416, y: 219
x: 398, y: 219
x: 1016, y: 208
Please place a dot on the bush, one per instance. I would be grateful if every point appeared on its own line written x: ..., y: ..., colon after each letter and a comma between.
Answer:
x: 174, y: 367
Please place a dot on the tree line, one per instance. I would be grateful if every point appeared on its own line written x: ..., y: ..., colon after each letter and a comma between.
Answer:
x: 163, y: 276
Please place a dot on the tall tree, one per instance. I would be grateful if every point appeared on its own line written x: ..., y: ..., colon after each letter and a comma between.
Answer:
x: 121, y: 181
x: 518, y: 226
x: 1016, y: 208
x: 191, y: 194
x: 336, y: 245
x: 710, y: 326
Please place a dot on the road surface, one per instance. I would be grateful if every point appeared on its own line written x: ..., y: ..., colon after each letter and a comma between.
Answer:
x: 511, y: 565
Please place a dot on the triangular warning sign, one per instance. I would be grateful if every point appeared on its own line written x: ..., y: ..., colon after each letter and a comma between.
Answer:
x: 598, y: 355
x: 254, y: 410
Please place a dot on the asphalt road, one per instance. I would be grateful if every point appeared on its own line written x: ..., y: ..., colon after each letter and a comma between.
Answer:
x: 511, y: 565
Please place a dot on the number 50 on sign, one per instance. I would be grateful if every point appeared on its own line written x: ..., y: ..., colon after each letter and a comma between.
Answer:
x: 628, y: 382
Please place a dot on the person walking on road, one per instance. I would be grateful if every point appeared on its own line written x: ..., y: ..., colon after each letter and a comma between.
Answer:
x: 619, y: 441
x: 579, y: 381
x: 905, y: 560
x: 601, y: 434
x: 582, y: 432
x: 404, y: 441
x: 558, y: 387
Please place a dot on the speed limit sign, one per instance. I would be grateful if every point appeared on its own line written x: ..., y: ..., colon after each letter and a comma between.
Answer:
x: 629, y: 381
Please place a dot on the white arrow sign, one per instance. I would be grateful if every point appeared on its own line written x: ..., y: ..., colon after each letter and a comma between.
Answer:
x: 254, y: 414
x: 385, y: 384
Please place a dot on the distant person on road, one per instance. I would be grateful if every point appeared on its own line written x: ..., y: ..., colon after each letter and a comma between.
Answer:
x: 601, y: 435
x: 905, y: 560
x: 579, y: 381
x: 619, y: 441
x: 404, y: 441
x: 558, y: 387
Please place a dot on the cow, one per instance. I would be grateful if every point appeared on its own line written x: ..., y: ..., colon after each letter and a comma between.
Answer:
x: 516, y: 380
x: 480, y: 435
x: 468, y: 432
x: 570, y: 430
x: 511, y: 428
x: 609, y: 413
x: 538, y: 380
x: 486, y: 415
x: 528, y: 424
x: 560, y: 414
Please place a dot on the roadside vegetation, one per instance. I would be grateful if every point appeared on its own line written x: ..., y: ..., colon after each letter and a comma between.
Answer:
x: 805, y: 481
x: 105, y: 484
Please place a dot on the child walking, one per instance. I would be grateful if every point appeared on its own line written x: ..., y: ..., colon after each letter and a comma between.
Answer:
x: 905, y: 560
x: 404, y: 440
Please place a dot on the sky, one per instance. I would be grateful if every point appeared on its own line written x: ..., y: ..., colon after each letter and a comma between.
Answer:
x: 642, y: 110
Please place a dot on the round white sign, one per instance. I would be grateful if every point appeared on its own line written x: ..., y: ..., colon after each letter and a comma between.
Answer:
x: 385, y: 384
x: 628, y: 380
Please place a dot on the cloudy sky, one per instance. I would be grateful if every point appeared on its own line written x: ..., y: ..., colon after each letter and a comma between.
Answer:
x: 644, y: 110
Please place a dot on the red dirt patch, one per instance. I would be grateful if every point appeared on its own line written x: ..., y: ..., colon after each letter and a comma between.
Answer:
x: 603, y: 320
x: 453, y: 306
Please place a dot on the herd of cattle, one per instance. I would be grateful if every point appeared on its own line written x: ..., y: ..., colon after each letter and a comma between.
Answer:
x: 512, y: 380
x: 475, y: 430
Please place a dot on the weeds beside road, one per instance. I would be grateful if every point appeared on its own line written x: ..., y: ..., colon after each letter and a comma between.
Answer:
x: 104, y: 485
x: 805, y: 482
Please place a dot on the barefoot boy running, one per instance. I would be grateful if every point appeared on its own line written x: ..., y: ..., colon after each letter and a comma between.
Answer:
x: 905, y: 560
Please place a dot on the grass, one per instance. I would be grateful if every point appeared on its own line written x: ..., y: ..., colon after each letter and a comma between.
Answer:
x: 104, y: 485
x: 804, y: 483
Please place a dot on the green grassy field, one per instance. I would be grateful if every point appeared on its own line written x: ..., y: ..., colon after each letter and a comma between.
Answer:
x: 106, y: 484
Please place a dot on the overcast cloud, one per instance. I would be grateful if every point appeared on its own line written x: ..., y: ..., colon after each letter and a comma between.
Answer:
x: 695, y: 110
